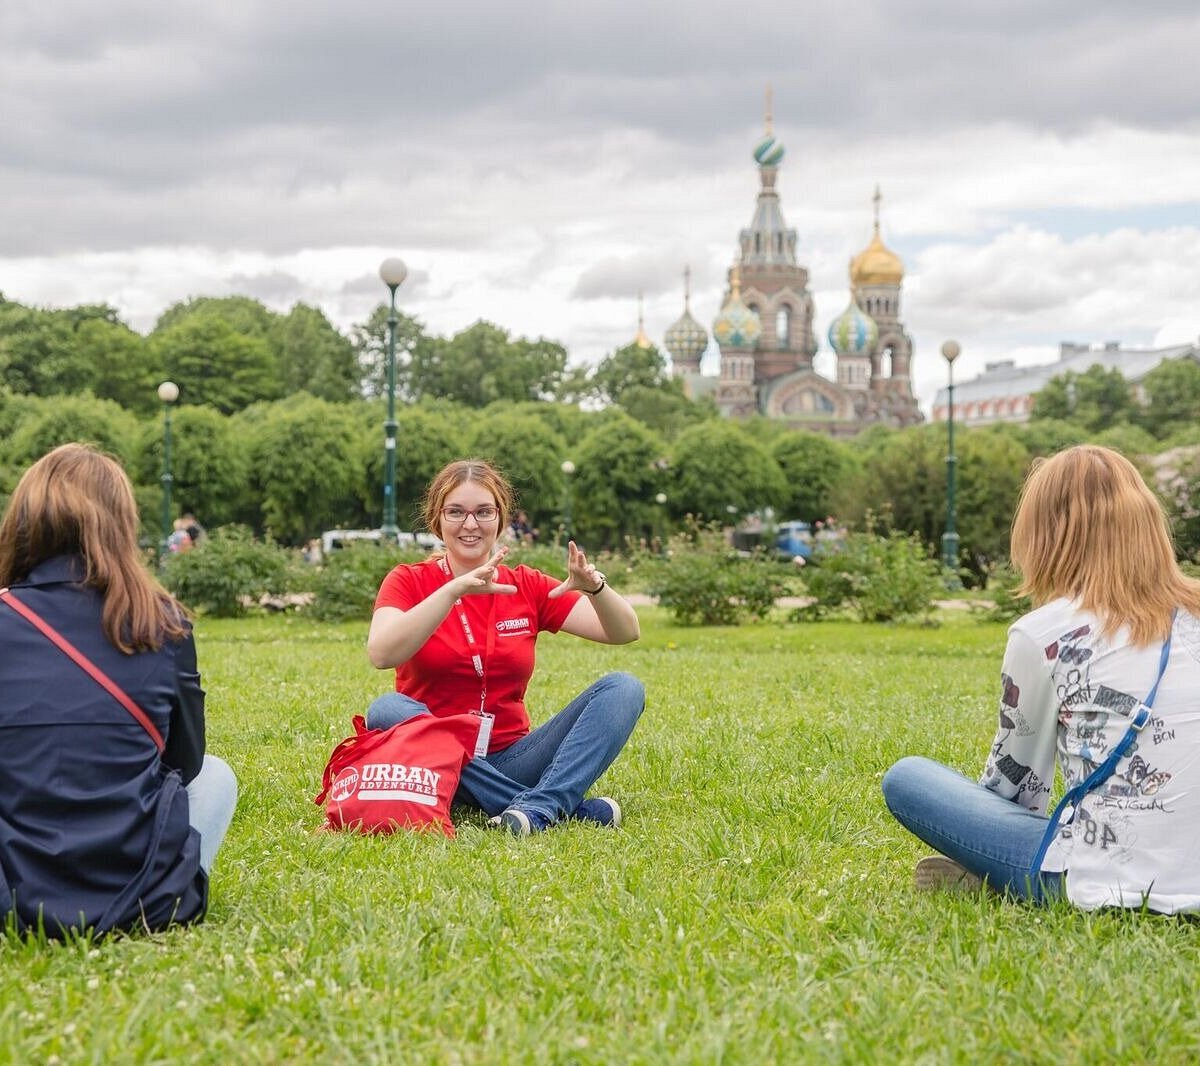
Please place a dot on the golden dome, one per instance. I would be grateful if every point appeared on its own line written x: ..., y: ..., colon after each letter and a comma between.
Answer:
x: 876, y: 265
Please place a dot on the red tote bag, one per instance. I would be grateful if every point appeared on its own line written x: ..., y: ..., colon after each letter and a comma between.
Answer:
x: 381, y: 780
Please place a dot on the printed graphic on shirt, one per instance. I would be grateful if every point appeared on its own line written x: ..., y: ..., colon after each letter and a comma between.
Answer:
x: 1108, y: 831
x: 1137, y: 779
x: 1066, y: 648
x: 1001, y: 765
x: 515, y: 627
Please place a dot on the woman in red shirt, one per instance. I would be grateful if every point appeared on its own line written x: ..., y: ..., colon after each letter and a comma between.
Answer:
x: 461, y: 629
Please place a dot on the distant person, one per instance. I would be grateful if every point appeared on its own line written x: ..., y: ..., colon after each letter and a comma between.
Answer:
x: 461, y: 630
x: 519, y: 529
x: 111, y: 813
x: 179, y: 540
x: 193, y: 528
x: 312, y: 553
x: 1112, y: 614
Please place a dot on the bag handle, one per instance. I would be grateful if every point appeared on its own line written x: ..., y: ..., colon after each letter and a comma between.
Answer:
x: 85, y: 664
x: 1104, y: 771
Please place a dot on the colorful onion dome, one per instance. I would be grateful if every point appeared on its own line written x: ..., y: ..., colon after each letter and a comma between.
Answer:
x: 736, y: 326
x: 685, y: 339
x: 768, y: 152
x: 853, y: 332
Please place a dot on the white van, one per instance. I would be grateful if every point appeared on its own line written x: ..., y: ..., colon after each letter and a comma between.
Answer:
x: 332, y: 539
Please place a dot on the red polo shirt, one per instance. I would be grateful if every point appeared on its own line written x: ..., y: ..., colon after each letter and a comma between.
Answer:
x: 441, y: 675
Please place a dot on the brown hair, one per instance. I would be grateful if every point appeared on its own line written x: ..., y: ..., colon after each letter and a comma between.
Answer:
x: 458, y: 473
x: 1088, y: 528
x: 76, y: 501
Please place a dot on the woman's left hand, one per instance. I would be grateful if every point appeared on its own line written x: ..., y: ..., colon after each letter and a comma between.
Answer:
x: 582, y: 576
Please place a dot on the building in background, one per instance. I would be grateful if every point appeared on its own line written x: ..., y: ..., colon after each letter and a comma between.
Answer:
x: 767, y: 331
x: 1004, y: 392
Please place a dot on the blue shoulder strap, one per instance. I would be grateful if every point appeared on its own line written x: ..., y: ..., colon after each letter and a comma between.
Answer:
x: 1105, y: 769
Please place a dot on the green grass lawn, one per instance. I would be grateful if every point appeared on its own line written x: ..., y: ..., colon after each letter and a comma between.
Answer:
x: 756, y: 906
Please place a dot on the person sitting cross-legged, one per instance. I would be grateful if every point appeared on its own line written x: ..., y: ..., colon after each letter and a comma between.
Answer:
x: 461, y: 628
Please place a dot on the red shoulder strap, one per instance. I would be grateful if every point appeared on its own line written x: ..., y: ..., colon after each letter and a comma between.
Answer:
x: 85, y: 664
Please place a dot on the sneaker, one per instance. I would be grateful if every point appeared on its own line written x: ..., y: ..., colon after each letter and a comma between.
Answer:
x: 522, y: 823
x: 937, y: 871
x: 600, y: 811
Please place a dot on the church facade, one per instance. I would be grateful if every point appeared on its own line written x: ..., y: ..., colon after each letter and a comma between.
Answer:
x: 767, y: 330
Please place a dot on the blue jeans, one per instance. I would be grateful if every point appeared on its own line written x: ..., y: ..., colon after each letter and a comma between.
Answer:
x: 212, y: 796
x: 987, y: 834
x: 550, y: 769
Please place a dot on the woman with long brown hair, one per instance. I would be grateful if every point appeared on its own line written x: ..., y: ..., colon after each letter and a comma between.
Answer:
x: 110, y: 811
x: 1105, y: 672
x: 460, y: 629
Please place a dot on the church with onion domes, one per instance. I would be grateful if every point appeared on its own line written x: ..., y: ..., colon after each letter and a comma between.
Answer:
x: 766, y: 330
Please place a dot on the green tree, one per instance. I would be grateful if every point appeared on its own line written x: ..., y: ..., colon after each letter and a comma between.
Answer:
x: 124, y: 367
x: 633, y: 365
x: 307, y: 463
x: 1172, y: 391
x: 482, y: 364
x: 47, y: 423
x: 716, y: 467
x: 428, y: 438
x: 1096, y: 399
x: 210, y: 471
x: 243, y: 314
x: 80, y: 349
x: 817, y: 470
x: 314, y: 357
x: 531, y: 456
x: 1045, y: 436
x: 369, y: 340
x: 618, y: 473
x: 904, y: 487
x: 665, y: 409
x: 215, y: 364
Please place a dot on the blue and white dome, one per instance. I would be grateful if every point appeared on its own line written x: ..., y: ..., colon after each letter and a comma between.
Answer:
x: 768, y: 152
x: 853, y: 332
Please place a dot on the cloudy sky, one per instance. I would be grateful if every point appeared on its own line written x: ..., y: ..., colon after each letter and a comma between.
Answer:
x: 539, y: 164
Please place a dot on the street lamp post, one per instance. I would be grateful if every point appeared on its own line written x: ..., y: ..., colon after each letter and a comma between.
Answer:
x: 950, y: 352
x: 168, y: 393
x: 660, y: 498
x: 393, y: 272
x: 568, y: 469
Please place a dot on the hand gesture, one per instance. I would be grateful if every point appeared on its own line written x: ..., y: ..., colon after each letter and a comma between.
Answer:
x: 582, y: 576
x: 482, y: 579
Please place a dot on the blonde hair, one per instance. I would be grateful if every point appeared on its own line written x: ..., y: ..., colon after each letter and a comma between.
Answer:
x: 458, y: 473
x: 76, y: 501
x: 1087, y: 528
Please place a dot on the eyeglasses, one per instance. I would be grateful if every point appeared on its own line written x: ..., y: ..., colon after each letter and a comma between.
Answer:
x: 456, y: 516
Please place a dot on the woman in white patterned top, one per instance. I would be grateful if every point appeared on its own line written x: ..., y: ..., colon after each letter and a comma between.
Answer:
x: 1093, y: 547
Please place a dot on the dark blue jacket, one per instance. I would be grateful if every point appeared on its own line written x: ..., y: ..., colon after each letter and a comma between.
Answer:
x: 93, y: 822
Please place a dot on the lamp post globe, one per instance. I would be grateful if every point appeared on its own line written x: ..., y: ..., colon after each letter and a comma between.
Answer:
x: 168, y: 393
x: 950, y: 351
x: 392, y: 272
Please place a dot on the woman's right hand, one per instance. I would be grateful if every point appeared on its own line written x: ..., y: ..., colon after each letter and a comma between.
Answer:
x: 483, y: 578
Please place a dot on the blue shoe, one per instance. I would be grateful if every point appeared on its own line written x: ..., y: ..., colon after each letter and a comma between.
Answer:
x: 523, y: 823
x: 599, y: 811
